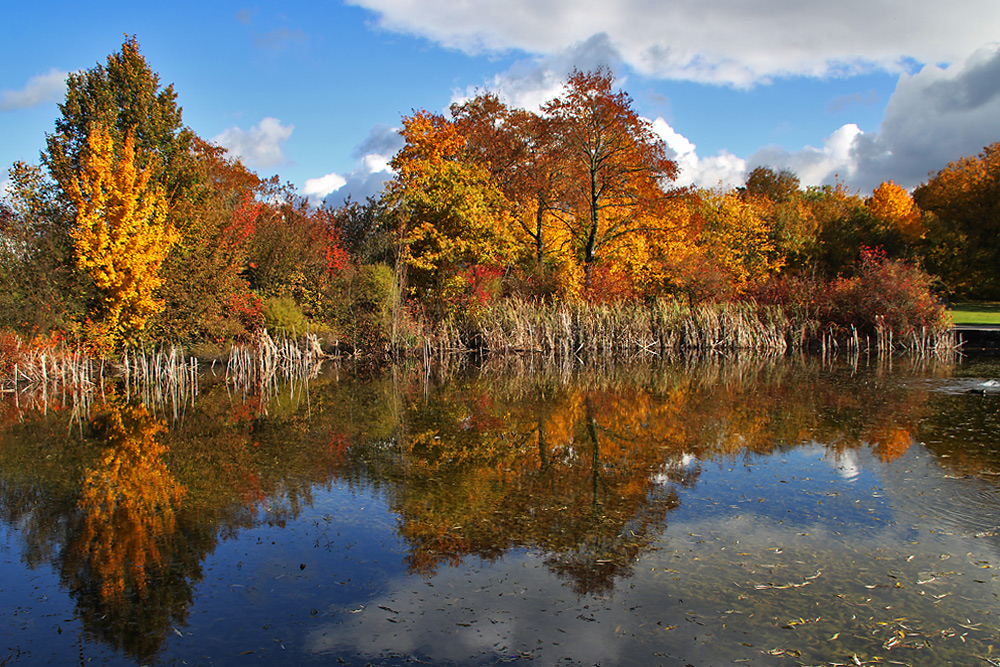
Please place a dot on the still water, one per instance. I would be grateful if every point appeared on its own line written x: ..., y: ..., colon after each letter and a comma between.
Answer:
x: 713, y: 512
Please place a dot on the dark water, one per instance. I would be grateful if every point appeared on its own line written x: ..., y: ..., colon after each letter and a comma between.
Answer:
x: 789, y: 512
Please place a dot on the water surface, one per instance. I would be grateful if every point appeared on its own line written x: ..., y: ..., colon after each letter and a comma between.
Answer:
x: 763, y: 512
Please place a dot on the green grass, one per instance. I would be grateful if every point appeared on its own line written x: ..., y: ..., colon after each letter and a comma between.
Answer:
x: 984, y: 312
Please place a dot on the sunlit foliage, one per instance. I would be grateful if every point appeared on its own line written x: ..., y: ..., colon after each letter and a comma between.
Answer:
x: 121, y: 235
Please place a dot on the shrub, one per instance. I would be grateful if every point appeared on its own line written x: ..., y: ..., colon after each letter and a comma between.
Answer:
x: 890, y: 293
x: 283, y: 314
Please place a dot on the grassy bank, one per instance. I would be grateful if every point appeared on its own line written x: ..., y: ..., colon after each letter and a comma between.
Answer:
x: 983, y: 312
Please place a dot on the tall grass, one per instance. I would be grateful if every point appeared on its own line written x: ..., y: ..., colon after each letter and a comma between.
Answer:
x: 628, y: 328
x: 662, y: 328
x: 266, y: 363
x: 160, y: 377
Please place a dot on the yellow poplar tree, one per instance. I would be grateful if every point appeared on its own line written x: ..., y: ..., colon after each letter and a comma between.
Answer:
x: 121, y: 234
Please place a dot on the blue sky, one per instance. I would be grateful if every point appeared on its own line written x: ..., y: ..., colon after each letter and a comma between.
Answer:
x: 858, y: 90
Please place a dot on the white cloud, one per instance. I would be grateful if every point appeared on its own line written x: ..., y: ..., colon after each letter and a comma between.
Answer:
x: 318, y: 188
x: 260, y: 146
x: 366, y: 180
x: 40, y: 89
x: 720, y: 41
x: 530, y: 83
x: 723, y: 168
x: 370, y: 173
x: 934, y: 117
x: 815, y: 166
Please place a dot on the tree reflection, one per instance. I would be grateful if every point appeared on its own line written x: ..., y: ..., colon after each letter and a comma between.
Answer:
x: 581, y: 467
x: 584, y: 476
x: 125, y: 534
x: 585, y: 468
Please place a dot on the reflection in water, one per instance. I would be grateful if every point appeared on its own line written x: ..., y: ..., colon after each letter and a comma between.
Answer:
x: 123, y: 540
x: 128, y: 499
x: 725, y: 489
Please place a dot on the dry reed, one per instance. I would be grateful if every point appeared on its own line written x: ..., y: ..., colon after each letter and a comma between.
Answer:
x: 661, y: 328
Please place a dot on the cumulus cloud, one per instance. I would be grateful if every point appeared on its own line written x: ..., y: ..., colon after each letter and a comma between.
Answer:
x: 531, y: 82
x: 366, y: 180
x: 260, y: 146
x: 382, y: 140
x: 40, y: 89
x: 934, y: 117
x: 723, y: 169
x: 815, y: 166
x: 720, y: 41
x: 370, y: 173
x: 318, y: 188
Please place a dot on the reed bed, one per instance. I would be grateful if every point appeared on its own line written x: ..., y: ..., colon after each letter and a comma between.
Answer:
x: 165, y: 378
x: 160, y: 377
x: 266, y: 363
x: 662, y: 328
x: 622, y: 329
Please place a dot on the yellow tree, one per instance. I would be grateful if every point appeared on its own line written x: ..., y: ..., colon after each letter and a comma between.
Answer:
x: 737, y: 236
x: 121, y: 234
x: 895, y: 210
x: 453, y: 218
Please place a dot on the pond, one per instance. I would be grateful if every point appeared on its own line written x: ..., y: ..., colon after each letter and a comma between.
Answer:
x: 694, y: 512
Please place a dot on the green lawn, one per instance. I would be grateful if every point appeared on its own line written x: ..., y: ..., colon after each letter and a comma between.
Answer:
x: 976, y: 313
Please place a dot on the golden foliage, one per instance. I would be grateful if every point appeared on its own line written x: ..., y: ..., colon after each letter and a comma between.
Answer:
x: 128, y: 499
x: 894, y: 208
x: 738, y: 236
x: 453, y: 216
x: 121, y: 235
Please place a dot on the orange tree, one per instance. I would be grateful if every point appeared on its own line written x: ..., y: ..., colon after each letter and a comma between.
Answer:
x: 964, y: 226
x: 516, y: 147
x: 616, y: 172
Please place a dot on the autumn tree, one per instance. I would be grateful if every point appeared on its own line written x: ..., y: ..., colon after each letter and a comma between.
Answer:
x: 121, y: 235
x: 964, y: 234
x: 209, y: 197
x: 893, y: 207
x: 517, y: 148
x: 616, y: 170
x: 451, y: 217
x: 777, y: 186
x: 842, y: 226
x: 206, y: 291
x: 294, y: 250
x: 737, y: 237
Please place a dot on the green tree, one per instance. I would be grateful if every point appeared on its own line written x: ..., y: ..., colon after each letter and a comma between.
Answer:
x: 40, y: 287
x: 123, y: 96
